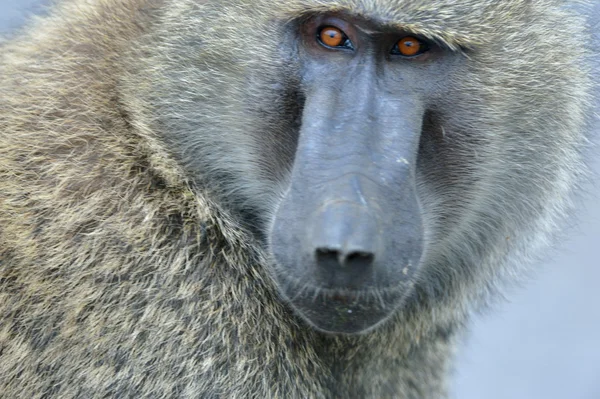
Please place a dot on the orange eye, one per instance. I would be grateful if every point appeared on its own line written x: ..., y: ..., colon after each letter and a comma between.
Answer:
x: 410, y: 46
x: 332, y: 37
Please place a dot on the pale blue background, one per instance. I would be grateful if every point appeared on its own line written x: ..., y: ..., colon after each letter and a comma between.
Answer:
x: 544, y: 343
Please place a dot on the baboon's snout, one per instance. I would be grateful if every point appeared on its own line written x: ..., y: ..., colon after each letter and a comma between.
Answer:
x: 345, y: 242
x: 343, y: 259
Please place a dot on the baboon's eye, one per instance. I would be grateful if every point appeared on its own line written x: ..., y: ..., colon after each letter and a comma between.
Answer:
x: 410, y: 46
x: 330, y: 36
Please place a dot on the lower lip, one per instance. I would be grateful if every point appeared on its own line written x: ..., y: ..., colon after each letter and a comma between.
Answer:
x: 346, y: 313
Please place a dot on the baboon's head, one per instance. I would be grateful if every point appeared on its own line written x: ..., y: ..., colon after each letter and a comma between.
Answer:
x: 385, y: 152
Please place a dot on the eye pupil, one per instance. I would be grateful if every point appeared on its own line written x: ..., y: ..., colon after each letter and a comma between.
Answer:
x: 332, y: 37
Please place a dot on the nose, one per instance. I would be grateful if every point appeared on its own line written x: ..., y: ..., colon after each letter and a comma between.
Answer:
x: 344, y: 258
x: 345, y: 244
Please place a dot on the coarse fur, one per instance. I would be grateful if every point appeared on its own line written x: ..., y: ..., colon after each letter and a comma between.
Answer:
x: 144, y: 146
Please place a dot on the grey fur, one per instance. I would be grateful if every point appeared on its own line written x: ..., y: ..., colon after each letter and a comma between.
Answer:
x: 145, y: 146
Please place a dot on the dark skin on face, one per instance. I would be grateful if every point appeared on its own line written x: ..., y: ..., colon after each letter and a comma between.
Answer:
x: 348, y: 237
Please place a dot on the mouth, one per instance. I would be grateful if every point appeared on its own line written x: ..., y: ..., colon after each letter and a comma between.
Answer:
x: 343, y: 311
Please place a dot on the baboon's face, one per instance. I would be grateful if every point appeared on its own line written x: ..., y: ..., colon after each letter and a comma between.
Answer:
x: 348, y: 234
x: 378, y: 151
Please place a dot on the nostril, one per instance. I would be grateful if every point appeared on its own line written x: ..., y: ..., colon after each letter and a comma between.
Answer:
x: 327, y: 256
x: 333, y: 257
x: 344, y: 269
x: 358, y: 259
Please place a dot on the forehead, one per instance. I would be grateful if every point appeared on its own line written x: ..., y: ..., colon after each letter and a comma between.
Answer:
x: 459, y: 22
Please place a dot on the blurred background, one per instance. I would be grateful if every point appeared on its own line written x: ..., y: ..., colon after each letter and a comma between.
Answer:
x: 543, y: 342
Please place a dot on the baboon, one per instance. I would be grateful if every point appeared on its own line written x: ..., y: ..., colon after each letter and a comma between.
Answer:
x: 261, y: 199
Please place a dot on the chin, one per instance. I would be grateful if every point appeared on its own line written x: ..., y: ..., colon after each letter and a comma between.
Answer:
x: 343, y: 311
